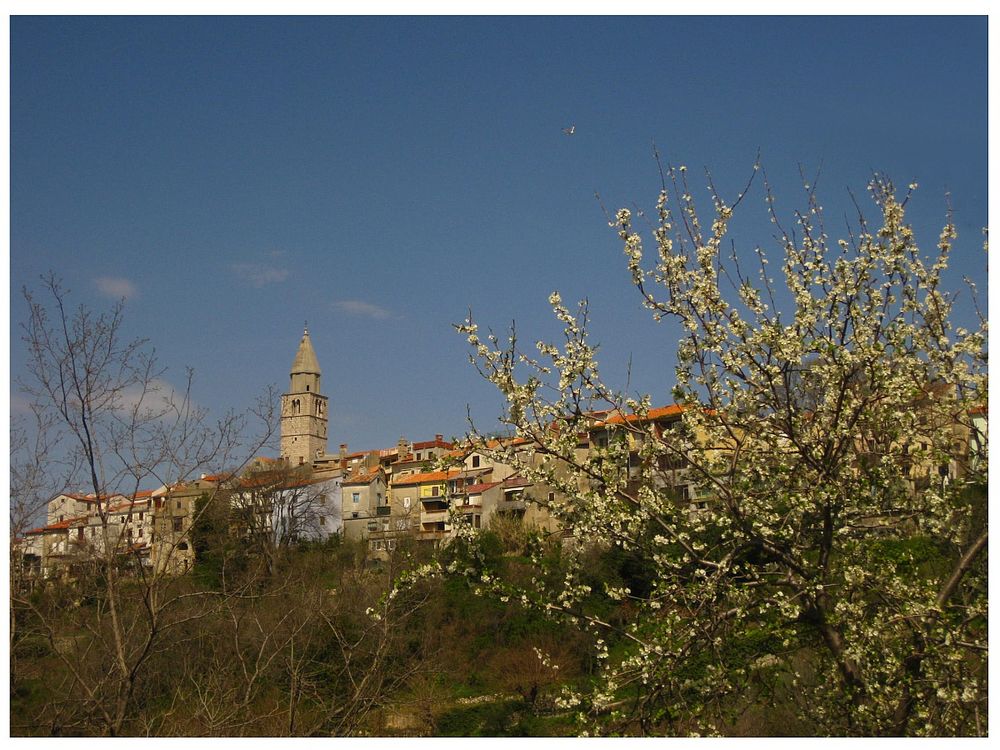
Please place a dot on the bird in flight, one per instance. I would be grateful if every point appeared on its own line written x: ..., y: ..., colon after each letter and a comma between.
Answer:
x: 570, y: 130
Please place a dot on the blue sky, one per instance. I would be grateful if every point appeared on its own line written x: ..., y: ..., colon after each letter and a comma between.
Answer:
x: 378, y: 177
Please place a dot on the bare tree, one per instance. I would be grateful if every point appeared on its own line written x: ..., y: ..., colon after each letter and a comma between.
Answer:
x: 274, y: 508
x: 101, y: 403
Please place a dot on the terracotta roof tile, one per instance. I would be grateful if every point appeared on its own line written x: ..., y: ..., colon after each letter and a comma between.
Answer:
x: 59, y: 526
x: 672, y: 410
x: 214, y: 477
x: 139, y: 504
x: 476, y: 488
x: 363, y: 477
x: 277, y: 480
x: 430, y: 476
x: 516, y: 481
x: 433, y: 444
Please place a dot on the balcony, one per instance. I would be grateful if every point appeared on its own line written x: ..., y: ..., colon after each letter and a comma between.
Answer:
x: 438, y: 504
x: 512, y: 501
x: 434, y: 516
x: 383, y: 510
x: 431, y: 536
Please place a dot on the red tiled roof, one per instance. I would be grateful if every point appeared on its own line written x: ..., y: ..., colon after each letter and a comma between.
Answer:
x: 129, y: 506
x: 91, y: 498
x: 433, y: 444
x: 277, y: 480
x: 363, y: 477
x: 59, y: 526
x: 673, y: 410
x: 214, y: 477
x: 474, y: 488
x: 430, y: 476
x: 467, y: 450
x: 516, y: 481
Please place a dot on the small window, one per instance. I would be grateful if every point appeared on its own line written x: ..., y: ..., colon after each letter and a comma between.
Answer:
x: 418, y: 456
x: 373, y: 526
x: 355, y: 497
x: 79, y: 533
x: 354, y: 514
x: 322, y: 520
x: 552, y: 496
x: 178, y: 524
x: 477, y: 520
x: 307, y: 388
x: 435, y: 490
x: 475, y: 462
x: 140, y: 515
x: 178, y: 503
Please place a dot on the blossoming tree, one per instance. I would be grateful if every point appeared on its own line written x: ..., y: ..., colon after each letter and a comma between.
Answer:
x: 837, y: 567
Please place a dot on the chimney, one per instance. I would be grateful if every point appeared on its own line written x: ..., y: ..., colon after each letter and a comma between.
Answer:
x: 402, y: 447
x: 439, y: 438
x: 343, y: 455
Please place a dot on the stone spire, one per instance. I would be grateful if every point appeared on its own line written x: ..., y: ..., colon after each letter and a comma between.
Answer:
x: 305, y: 358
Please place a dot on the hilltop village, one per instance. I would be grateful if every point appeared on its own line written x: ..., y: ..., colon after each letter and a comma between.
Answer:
x: 378, y: 497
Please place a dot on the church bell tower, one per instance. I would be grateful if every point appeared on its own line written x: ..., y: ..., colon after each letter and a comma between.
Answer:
x: 303, y: 409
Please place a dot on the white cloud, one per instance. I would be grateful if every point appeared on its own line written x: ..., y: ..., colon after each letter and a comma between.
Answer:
x: 366, y: 309
x: 19, y: 404
x: 116, y: 287
x: 259, y: 274
x: 158, y: 398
